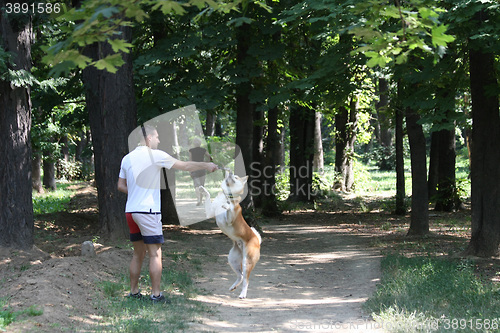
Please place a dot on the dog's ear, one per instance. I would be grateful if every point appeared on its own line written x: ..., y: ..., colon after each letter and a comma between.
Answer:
x: 228, y: 173
x: 244, y: 179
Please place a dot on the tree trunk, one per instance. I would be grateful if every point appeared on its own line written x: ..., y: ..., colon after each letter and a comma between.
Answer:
x: 400, y: 164
x: 485, y: 155
x: 257, y: 158
x: 432, y: 182
x: 341, y: 118
x: 351, y: 139
x: 210, y: 124
x: 345, y: 123
x: 168, y: 188
x: 269, y: 203
x: 419, y: 224
x: 301, y: 153
x: 244, y: 108
x: 36, y: 174
x: 318, y: 162
x: 80, y: 145
x: 446, y: 188
x: 112, y: 112
x: 16, y: 206
x: 49, y: 172
x: 384, y: 122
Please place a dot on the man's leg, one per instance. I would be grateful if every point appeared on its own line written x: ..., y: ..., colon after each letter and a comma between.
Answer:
x: 155, y: 267
x: 136, y: 265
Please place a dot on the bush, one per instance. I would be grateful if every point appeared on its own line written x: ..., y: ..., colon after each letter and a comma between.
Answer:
x: 69, y: 170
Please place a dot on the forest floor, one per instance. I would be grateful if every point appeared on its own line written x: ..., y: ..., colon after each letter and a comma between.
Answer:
x: 317, y: 268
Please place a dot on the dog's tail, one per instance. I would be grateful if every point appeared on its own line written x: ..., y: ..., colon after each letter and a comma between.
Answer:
x: 257, y: 234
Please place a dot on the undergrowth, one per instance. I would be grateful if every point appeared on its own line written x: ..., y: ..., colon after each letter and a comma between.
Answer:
x: 424, y: 294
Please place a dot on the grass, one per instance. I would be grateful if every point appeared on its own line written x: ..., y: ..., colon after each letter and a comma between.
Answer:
x: 123, y: 314
x: 53, y: 201
x: 8, y: 316
x: 433, y: 294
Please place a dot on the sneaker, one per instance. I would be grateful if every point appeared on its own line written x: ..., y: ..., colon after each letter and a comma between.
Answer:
x: 159, y: 299
x: 137, y: 295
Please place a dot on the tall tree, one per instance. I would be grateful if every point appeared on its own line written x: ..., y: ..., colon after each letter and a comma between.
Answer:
x: 16, y: 207
x: 400, y: 164
x: 318, y: 162
x: 345, y: 136
x: 419, y: 224
x: 485, y: 155
x: 301, y: 152
x: 112, y: 111
x: 245, y: 109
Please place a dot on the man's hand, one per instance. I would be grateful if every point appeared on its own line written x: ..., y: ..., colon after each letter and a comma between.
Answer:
x: 211, y: 167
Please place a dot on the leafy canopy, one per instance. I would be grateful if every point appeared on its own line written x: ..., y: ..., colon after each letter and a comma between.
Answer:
x: 392, y: 32
x: 99, y: 21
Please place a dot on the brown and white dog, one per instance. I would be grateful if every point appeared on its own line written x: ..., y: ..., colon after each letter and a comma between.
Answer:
x: 245, y: 252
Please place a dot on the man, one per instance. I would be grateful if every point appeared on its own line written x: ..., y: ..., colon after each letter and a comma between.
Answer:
x: 140, y: 179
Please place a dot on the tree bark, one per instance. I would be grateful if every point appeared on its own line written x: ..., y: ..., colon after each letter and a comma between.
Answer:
x: 49, y: 172
x: 400, y: 164
x: 269, y: 203
x: 345, y: 123
x: 318, y: 162
x: 257, y: 158
x: 210, y: 124
x: 112, y: 112
x: 384, y: 122
x: 433, y: 178
x: 446, y: 188
x: 485, y: 155
x: 244, y: 108
x: 16, y: 206
x: 419, y: 224
x: 301, y: 153
x: 36, y: 167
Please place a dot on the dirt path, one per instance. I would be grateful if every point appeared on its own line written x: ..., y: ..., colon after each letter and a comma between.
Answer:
x: 312, y: 277
x: 315, y: 272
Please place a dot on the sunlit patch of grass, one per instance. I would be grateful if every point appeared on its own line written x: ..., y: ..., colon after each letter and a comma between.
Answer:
x: 52, y: 202
x: 422, y: 291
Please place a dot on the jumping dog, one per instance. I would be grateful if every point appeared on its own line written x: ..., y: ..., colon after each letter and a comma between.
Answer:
x: 245, y: 252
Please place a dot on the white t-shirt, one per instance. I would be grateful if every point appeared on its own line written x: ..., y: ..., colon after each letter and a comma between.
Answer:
x: 141, y: 168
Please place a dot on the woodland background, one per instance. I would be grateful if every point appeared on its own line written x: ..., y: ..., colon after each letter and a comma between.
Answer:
x: 298, y: 85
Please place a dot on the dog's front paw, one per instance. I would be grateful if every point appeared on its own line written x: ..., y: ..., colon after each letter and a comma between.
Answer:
x: 204, y: 191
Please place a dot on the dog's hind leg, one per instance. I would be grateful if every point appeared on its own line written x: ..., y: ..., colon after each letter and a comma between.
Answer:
x: 235, y: 261
x: 251, y: 255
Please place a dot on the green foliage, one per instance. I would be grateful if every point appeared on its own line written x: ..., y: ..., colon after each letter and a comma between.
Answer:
x: 19, y: 78
x: 100, y: 21
x: 51, y: 202
x: 422, y: 290
x: 69, y: 170
x: 8, y: 316
x: 394, y: 32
